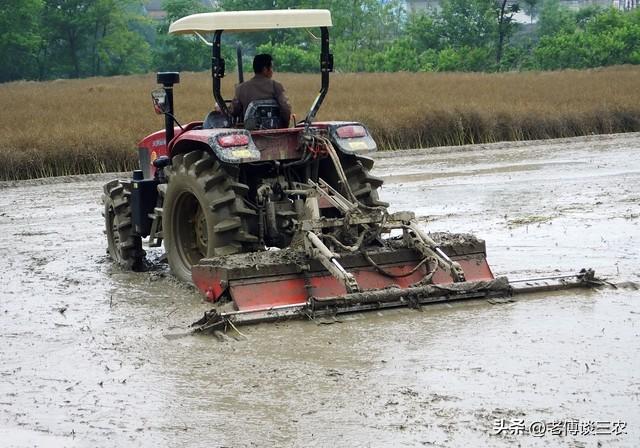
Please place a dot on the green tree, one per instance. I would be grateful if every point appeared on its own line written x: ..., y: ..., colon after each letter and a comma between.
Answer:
x: 66, y: 33
x: 400, y: 55
x: 585, y: 15
x: 506, y: 25
x: 466, y: 59
x: 180, y: 52
x: 610, y: 37
x: 92, y: 37
x: 19, y: 38
x: 118, y: 46
x: 425, y: 31
x: 468, y: 23
x: 463, y: 29
x: 530, y: 8
x: 360, y: 27
x: 289, y: 58
x: 554, y: 19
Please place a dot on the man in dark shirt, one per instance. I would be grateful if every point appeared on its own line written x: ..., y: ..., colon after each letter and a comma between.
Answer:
x: 261, y: 87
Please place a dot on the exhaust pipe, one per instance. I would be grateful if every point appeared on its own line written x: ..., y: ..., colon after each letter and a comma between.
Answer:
x: 168, y: 79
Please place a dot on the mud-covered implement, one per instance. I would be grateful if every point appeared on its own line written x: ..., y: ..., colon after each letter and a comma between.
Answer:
x: 293, y: 276
x: 393, y: 295
x: 391, y: 263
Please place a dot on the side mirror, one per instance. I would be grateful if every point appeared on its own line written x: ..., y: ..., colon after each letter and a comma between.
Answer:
x: 159, y: 97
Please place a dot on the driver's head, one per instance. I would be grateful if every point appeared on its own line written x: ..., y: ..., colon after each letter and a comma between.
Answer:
x: 263, y: 65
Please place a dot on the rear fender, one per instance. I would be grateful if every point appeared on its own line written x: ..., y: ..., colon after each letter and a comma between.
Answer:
x: 352, y: 145
x: 186, y: 141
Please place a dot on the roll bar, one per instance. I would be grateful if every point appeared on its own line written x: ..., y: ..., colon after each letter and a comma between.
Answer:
x: 326, y: 67
x: 217, y: 72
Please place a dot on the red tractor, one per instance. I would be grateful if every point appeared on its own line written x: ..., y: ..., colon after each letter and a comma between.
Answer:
x: 273, y: 222
x: 214, y: 187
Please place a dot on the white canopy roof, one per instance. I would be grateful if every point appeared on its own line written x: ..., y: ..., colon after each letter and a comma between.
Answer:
x: 251, y: 20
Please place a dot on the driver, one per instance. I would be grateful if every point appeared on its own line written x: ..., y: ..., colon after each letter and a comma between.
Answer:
x: 261, y: 87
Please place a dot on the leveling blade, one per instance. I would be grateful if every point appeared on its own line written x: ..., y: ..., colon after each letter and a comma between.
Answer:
x: 412, y: 297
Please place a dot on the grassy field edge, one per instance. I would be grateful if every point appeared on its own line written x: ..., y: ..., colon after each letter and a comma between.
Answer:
x: 85, y: 126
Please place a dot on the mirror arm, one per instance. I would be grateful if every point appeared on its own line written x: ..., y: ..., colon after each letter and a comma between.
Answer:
x: 174, y: 119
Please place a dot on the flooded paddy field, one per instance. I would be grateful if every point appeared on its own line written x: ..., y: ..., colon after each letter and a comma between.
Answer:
x: 85, y: 357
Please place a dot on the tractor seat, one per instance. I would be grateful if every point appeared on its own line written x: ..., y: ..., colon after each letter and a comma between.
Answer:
x: 262, y: 114
x: 215, y: 119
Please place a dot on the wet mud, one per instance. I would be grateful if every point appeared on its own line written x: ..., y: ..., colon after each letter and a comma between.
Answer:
x: 259, y: 259
x: 85, y: 360
x: 450, y: 243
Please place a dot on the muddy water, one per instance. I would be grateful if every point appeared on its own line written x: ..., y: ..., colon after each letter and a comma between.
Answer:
x: 85, y: 361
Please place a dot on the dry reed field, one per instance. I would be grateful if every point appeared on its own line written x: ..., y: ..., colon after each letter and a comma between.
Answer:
x: 92, y: 125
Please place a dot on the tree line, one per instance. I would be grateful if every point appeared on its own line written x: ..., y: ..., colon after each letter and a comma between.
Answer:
x: 49, y: 39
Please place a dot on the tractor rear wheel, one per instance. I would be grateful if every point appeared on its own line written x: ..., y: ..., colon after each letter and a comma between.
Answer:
x: 204, y: 212
x: 363, y: 185
x: 124, y: 246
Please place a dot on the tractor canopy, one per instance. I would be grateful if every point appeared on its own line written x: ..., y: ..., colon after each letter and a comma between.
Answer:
x: 248, y: 21
x: 243, y: 21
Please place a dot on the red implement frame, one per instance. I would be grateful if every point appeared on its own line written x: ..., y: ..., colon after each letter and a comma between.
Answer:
x: 276, y: 285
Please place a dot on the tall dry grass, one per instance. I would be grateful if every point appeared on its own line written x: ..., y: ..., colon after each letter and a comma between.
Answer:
x: 92, y: 125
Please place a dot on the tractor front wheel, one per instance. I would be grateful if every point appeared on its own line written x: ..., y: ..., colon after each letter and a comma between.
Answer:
x: 124, y: 246
x: 204, y: 213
